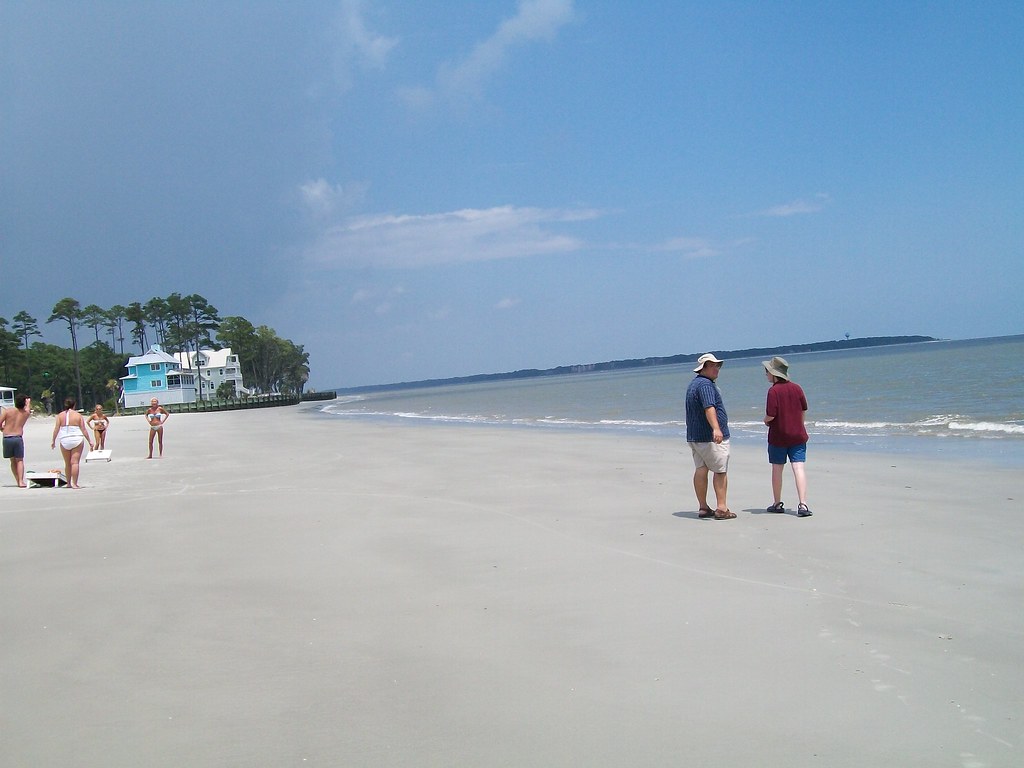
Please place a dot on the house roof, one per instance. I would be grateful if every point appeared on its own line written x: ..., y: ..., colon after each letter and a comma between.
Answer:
x: 213, y: 358
x: 154, y: 355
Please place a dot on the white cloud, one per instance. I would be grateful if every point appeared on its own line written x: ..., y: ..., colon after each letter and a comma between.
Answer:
x: 362, y: 296
x: 324, y: 201
x: 355, y: 45
x: 796, y: 207
x: 384, y: 298
x: 417, y: 98
x: 507, y: 303
x: 404, y: 241
x: 534, y: 20
x: 690, y: 247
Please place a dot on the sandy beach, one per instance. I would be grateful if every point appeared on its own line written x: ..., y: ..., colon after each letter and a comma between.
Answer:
x: 287, y: 589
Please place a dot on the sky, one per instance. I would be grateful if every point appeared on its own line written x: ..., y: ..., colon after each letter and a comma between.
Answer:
x: 419, y: 189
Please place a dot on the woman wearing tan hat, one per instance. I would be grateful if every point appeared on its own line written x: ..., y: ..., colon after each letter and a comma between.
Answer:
x: 787, y: 435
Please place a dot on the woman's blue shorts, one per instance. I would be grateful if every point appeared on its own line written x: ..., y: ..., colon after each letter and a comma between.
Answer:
x: 795, y: 453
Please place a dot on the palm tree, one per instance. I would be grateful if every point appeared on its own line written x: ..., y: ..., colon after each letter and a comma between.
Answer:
x: 70, y: 311
x: 114, y: 388
x: 156, y: 315
x: 202, y: 319
x: 176, y: 318
x: 114, y: 320
x: 93, y: 316
x: 25, y: 326
x: 136, y: 315
x: 8, y: 346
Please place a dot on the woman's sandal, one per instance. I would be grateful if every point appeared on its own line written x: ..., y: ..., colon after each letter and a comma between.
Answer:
x: 724, y: 514
x: 706, y: 512
x: 778, y: 506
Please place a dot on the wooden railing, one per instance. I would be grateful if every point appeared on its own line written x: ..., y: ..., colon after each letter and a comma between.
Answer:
x: 312, y: 396
x: 229, y: 404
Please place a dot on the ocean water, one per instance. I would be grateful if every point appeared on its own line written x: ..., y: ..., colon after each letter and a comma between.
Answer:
x: 949, y: 397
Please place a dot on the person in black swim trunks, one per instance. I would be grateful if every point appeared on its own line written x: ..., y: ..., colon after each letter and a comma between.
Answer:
x: 12, y: 421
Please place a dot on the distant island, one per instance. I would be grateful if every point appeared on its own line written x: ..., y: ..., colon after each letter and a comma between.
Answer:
x: 647, y: 362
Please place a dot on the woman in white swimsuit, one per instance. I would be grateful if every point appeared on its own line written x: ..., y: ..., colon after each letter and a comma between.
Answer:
x: 99, y: 422
x: 70, y: 428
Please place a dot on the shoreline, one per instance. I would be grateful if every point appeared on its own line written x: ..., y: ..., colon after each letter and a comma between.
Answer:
x: 976, y: 451
x: 284, y: 589
x: 909, y: 408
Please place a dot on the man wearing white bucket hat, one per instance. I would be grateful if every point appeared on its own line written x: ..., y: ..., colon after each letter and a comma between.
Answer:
x: 707, y: 432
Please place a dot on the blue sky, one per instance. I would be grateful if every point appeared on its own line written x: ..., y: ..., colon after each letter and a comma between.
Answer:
x: 425, y: 189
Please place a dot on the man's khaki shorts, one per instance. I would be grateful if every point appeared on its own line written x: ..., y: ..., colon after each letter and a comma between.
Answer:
x: 714, y: 456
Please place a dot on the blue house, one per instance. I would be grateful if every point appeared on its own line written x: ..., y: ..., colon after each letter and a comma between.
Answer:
x: 156, y: 374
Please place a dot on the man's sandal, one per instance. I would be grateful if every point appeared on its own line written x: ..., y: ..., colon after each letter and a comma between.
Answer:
x: 724, y: 514
x: 706, y: 512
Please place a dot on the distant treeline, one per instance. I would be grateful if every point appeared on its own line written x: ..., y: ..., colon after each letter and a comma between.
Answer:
x: 646, y: 362
x: 270, y: 364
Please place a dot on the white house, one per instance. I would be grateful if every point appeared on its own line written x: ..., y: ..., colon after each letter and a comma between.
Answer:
x: 215, y: 367
x: 156, y: 374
